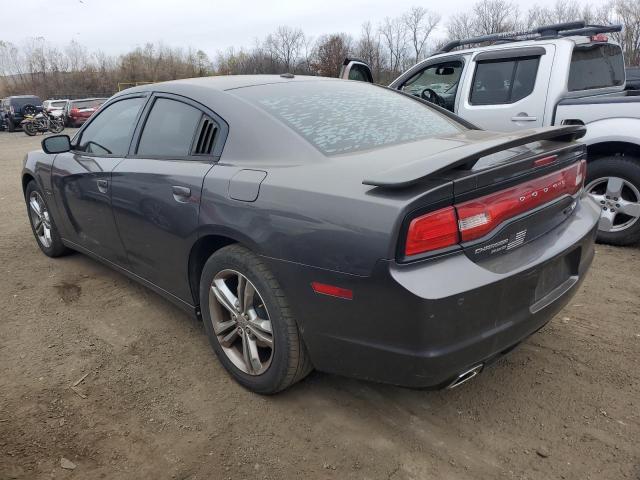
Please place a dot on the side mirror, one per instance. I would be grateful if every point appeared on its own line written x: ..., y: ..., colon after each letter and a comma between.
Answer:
x: 355, y: 69
x: 56, y: 144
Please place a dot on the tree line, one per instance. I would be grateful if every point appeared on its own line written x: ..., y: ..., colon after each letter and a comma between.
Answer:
x: 389, y: 47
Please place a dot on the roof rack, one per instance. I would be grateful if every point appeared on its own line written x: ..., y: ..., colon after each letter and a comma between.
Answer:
x: 541, y: 33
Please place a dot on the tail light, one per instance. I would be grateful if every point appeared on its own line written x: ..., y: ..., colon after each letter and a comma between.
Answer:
x: 74, y: 112
x: 476, y: 218
x: 432, y: 231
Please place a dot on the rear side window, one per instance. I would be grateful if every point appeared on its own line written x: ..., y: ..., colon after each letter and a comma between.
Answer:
x: 109, y: 133
x: 169, y: 129
x: 597, y: 65
x: 504, y: 81
x: 340, y: 117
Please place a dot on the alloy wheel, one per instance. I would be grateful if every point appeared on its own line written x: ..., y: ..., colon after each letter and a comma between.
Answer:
x: 619, y: 200
x: 241, y: 322
x: 40, y: 219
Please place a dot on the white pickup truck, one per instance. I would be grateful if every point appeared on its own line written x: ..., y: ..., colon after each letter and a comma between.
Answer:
x: 564, y: 74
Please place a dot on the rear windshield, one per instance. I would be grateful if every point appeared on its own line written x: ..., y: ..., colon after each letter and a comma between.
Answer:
x: 597, y: 65
x: 58, y: 104
x: 87, y: 103
x: 22, y: 101
x: 341, y: 117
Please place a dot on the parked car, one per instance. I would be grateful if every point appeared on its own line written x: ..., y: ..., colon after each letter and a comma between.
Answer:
x: 15, y: 108
x: 78, y: 111
x: 3, y: 125
x: 55, y: 107
x: 633, y: 78
x: 323, y: 223
x: 569, y: 74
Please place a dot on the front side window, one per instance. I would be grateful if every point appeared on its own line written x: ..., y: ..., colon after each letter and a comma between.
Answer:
x: 169, y: 129
x: 442, y: 79
x: 109, y: 133
x: 505, y: 81
x: 598, y: 65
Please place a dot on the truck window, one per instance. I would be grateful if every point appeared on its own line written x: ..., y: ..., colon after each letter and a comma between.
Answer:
x: 497, y: 82
x: 596, y: 65
x: 442, y: 78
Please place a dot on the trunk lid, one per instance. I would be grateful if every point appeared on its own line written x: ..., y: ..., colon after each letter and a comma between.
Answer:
x: 505, y: 191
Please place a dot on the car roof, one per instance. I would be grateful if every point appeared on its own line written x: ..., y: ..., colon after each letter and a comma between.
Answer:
x: 225, y: 82
x: 23, y: 96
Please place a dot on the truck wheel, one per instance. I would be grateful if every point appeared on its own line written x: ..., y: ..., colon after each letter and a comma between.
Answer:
x: 10, y: 125
x: 249, y: 322
x: 614, y: 182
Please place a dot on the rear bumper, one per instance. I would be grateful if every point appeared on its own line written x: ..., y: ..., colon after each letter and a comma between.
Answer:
x: 421, y: 325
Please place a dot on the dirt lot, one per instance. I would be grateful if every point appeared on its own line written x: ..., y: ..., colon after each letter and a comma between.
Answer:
x: 156, y: 404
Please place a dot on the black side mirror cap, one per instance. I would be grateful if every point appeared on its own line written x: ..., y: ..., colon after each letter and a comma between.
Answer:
x: 56, y: 144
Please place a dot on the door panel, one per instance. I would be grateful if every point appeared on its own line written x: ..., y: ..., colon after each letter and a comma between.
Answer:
x: 83, y: 195
x: 503, y: 94
x: 156, y: 204
x: 82, y: 178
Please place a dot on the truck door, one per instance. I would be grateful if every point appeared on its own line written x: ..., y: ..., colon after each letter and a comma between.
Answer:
x: 507, y: 89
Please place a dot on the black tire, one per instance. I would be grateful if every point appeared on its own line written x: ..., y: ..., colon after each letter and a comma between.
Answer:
x: 627, y: 168
x: 10, y: 125
x: 56, y: 126
x: 290, y: 361
x: 29, y: 129
x: 57, y: 248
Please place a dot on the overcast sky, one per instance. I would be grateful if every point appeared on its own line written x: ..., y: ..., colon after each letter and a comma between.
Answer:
x: 117, y: 26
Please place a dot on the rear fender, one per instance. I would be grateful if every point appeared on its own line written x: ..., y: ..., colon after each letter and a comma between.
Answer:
x: 620, y: 129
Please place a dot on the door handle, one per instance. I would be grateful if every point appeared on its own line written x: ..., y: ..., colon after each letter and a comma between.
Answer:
x: 523, y: 117
x: 103, y: 186
x: 181, y: 194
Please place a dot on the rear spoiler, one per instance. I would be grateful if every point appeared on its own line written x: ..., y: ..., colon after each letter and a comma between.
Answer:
x: 412, y: 173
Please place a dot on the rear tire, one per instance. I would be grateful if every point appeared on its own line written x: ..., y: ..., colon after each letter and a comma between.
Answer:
x: 29, y: 129
x: 614, y: 182
x: 42, y: 224
x: 288, y: 361
x: 10, y: 125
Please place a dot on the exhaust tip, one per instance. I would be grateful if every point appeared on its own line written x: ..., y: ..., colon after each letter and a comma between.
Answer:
x: 466, y: 376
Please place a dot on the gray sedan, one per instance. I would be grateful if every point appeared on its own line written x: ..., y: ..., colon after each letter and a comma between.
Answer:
x: 319, y: 223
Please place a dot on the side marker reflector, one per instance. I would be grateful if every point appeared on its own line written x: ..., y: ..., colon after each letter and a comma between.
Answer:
x: 332, y: 290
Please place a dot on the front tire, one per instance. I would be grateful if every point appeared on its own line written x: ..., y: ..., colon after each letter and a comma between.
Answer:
x: 10, y: 125
x: 614, y: 182
x: 56, y: 126
x: 249, y: 322
x: 42, y: 224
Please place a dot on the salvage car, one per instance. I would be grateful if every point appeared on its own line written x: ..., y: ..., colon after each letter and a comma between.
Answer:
x: 322, y: 223
x: 76, y: 112
x: 563, y: 74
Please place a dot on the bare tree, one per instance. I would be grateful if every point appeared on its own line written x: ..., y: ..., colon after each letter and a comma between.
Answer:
x: 494, y: 16
x: 420, y: 23
x: 285, y: 44
x: 394, y: 35
x: 461, y: 25
x: 368, y: 49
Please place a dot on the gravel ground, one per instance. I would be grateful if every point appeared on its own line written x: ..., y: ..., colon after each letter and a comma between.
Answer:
x: 153, y: 401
